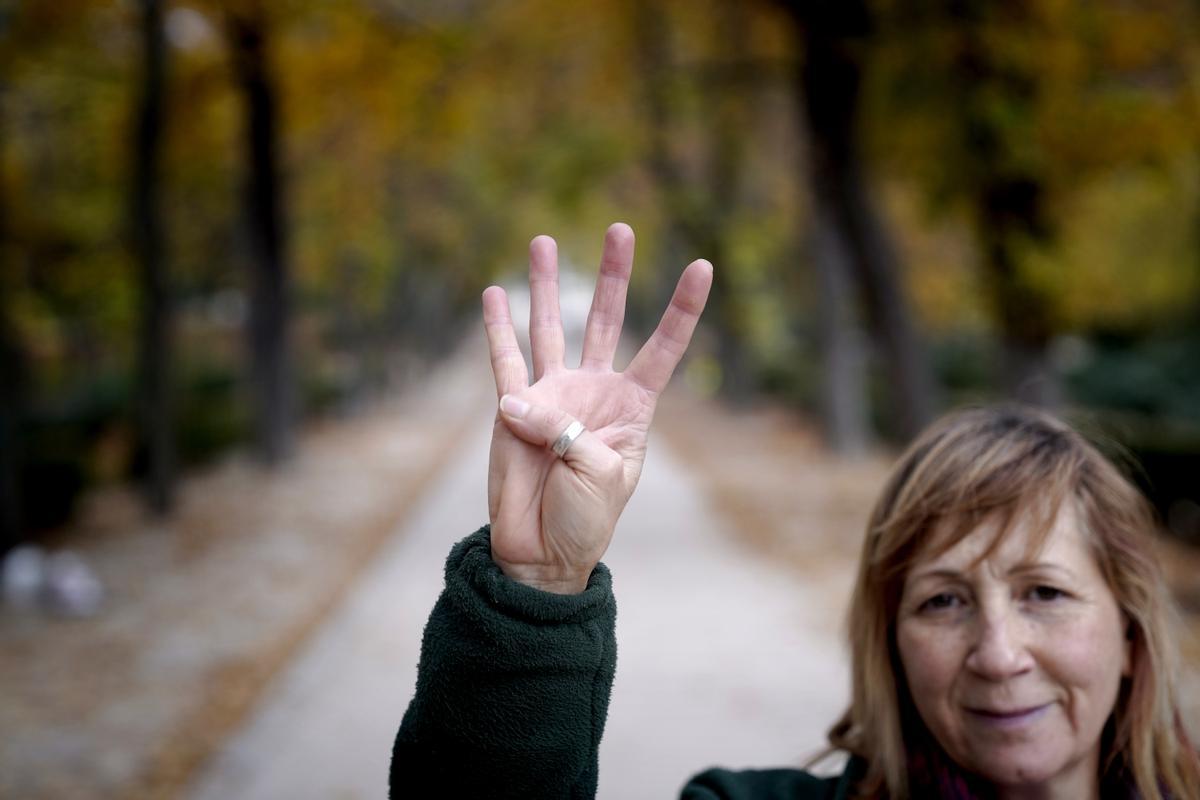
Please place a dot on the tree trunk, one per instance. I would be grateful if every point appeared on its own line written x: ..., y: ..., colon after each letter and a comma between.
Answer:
x: 1027, y: 373
x: 12, y: 380
x: 834, y: 36
x: 12, y: 391
x: 14, y: 374
x: 155, y: 402
x: 269, y: 303
x: 845, y: 416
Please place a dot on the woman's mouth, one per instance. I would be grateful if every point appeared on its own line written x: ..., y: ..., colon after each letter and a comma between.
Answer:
x: 1007, y: 718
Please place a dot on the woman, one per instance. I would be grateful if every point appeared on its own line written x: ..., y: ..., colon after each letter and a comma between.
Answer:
x: 1008, y: 627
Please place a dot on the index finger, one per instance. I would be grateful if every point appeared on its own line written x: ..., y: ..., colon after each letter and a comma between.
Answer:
x: 508, y: 365
x: 651, y: 368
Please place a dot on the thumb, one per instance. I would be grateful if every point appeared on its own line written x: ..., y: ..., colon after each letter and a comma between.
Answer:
x: 542, y: 425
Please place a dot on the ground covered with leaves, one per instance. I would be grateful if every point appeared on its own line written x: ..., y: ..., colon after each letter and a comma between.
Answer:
x: 204, y: 608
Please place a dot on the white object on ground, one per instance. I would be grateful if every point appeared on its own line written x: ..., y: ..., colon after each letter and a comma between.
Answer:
x: 71, y: 587
x: 24, y: 571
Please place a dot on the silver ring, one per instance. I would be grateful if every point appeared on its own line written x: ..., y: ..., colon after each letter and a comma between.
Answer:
x: 567, y: 438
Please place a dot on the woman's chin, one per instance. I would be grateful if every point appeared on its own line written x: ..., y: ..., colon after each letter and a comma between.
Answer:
x: 1018, y: 769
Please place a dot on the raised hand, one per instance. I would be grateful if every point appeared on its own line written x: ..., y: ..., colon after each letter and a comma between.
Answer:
x: 552, y: 518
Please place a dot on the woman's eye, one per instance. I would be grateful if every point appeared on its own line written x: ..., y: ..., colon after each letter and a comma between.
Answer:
x: 941, y: 602
x: 1046, y: 594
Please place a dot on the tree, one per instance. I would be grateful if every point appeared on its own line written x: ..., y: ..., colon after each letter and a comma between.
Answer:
x: 155, y: 406
x: 14, y: 369
x: 248, y: 36
x: 13, y: 377
x: 845, y: 416
x: 835, y: 38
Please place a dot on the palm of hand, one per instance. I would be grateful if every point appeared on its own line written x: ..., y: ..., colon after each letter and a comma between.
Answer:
x: 551, y: 514
x: 552, y: 519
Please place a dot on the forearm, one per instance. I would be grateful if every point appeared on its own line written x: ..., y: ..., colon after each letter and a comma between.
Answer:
x: 512, y: 687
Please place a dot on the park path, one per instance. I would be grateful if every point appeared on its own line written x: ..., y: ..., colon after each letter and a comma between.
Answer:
x: 724, y: 657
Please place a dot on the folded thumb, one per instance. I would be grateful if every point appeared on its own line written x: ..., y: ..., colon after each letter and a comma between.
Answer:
x: 543, y: 425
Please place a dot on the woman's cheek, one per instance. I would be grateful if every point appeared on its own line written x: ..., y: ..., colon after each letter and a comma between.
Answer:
x: 1084, y: 650
x: 929, y: 654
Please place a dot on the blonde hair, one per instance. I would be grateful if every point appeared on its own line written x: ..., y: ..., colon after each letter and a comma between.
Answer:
x: 1001, y: 463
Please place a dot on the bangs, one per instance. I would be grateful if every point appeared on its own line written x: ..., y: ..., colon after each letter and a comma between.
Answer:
x: 1006, y: 471
x: 1036, y: 515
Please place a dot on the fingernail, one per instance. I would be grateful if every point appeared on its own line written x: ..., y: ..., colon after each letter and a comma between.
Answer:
x: 513, y: 406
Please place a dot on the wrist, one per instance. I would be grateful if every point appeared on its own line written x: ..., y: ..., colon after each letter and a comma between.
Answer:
x: 554, y: 581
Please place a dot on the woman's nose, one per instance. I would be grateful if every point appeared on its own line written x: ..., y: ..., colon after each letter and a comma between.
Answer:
x: 999, y: 650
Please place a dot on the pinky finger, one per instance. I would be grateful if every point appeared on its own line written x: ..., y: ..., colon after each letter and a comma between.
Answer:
x: 651, y: 368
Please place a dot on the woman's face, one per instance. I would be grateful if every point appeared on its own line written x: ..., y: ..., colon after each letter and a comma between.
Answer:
x: 1015, y: 663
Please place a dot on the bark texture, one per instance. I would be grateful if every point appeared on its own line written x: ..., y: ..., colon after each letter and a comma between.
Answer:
x: 269, y: 301
x: 155, y: 401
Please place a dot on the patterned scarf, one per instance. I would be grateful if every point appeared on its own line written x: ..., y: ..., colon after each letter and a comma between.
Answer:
x: 933, y: 775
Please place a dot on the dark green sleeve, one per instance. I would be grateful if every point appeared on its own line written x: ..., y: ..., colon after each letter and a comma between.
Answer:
x: 758, y: 784
x: 512, y: 687
x: 774, y: 784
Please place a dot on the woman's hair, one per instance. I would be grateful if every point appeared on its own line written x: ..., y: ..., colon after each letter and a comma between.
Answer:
x: 1003, y: 465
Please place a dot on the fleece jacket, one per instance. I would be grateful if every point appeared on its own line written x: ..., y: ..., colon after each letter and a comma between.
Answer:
x: 512, y: 693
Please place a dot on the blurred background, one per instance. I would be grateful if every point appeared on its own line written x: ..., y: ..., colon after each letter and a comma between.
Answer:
x: 241, y: 240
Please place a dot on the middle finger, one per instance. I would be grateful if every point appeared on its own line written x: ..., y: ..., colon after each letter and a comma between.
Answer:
x: 604, y: 321
x: 545, y: 322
